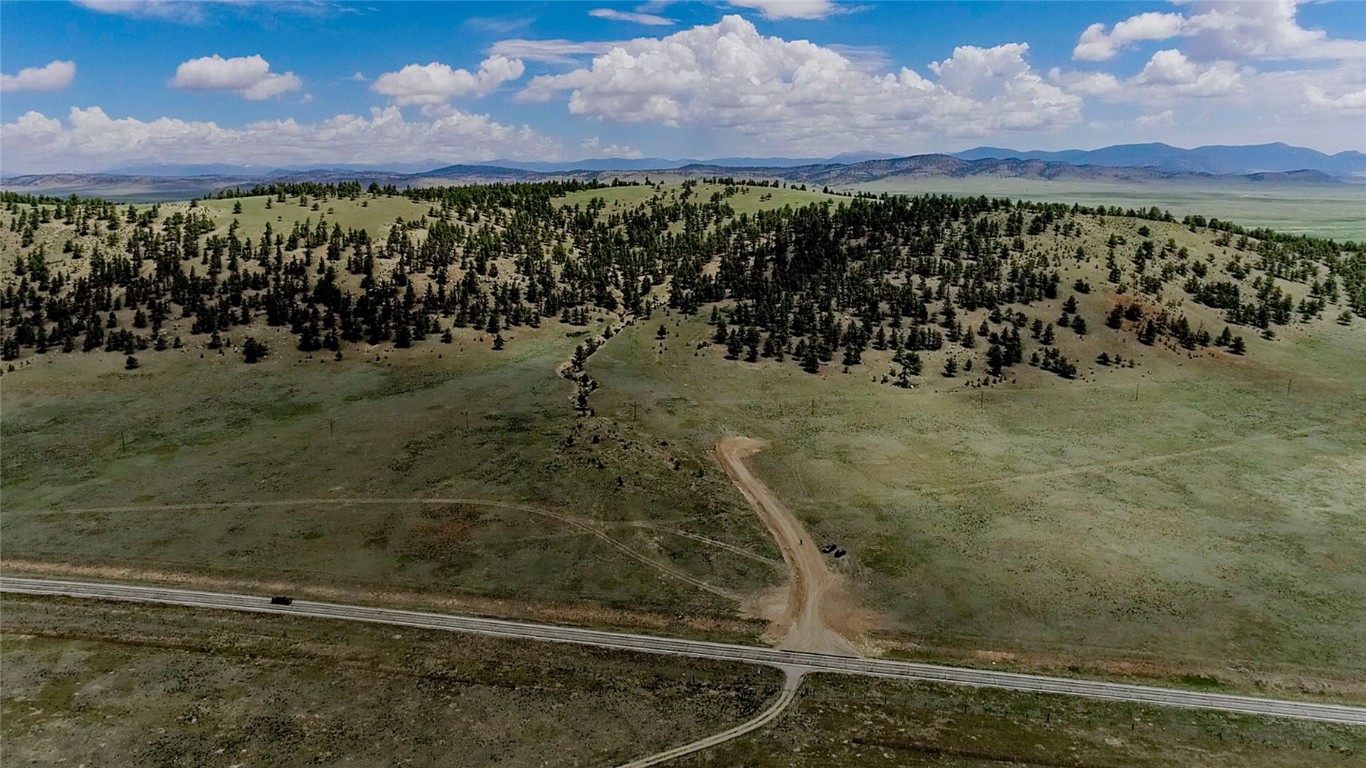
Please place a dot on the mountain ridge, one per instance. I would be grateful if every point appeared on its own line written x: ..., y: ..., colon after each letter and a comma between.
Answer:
x: 1215, y: 158
x: 147, y: 188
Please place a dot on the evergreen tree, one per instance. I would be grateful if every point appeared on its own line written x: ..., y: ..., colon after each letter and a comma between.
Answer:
x: 1116, y: 317
x: 810, y: 359
x: 995, y: 359
x: 734, y: 346
x: 253, y: 350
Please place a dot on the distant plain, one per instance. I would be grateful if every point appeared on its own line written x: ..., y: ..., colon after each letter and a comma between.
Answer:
x: 1335, y: 211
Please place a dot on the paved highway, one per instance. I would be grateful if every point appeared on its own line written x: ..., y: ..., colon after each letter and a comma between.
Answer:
x: 795, y: 662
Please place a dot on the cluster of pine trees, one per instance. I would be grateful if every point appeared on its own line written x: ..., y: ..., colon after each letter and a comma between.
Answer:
x: 814, y: 285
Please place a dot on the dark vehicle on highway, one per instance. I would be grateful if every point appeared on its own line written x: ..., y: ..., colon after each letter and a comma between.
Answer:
x: 281, y: 600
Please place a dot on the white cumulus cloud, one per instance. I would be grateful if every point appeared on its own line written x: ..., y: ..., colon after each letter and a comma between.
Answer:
x: 1168, y: 75
x: 789, y: 9
x: 52, y: 77
x: 1226, y: 29
x: 727, y: 75
x: 1098, y: 45
x: 90, y: 139
x: 593, y: 147
x: 1353, y: 101
x: 435, y: 84
x: 1159, y: 119
x: 1171, y: 69
x: 247, y: 76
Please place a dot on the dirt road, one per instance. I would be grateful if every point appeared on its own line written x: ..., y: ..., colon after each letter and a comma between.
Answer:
x: 785, y: 697
x: 816, y: 608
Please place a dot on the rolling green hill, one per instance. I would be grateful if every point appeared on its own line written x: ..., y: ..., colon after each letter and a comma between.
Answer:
x: 1049, y: 436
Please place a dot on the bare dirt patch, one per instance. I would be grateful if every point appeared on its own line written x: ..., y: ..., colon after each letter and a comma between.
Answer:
x: 814, y: 612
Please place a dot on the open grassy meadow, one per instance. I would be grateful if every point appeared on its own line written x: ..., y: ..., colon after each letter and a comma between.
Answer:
x: 850, y: 721
x: 197, y: 465
x: 1335, y: 211
x: 110, y: 684
x: 745, y: 200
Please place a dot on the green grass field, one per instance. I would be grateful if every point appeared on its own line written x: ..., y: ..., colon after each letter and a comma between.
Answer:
x: 746, y: 199
x: 109, y: 684
x: 374, y: 214
x: 1335, y: 211
x: 851, y: 721
x: 82, y: 433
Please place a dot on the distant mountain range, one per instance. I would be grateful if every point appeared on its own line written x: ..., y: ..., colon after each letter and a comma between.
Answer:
x: 1213, y: 160
x: 1270, y: 164
x: 597, y: 164
x: 1257, y: 158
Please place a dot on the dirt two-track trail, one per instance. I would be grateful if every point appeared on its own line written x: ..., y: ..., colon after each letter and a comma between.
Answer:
x: 817, y: 614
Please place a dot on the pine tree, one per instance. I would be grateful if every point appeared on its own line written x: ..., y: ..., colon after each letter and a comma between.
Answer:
x: 852, y: 356
x: 1148, y: 334
x: 734, y: 346
x: 995, y: 359
x: 253, y: 350
x: 811, y: 362
x: 1116, y: 317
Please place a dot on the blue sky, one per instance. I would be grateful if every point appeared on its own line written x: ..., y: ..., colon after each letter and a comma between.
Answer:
x: 100, y: 83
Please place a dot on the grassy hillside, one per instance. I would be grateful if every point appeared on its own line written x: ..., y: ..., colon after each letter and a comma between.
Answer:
x: 1188, y: 511
x: 1194, y: 511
